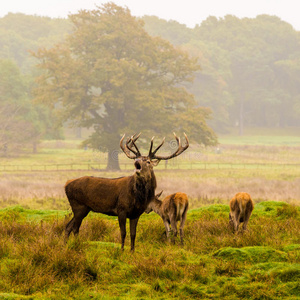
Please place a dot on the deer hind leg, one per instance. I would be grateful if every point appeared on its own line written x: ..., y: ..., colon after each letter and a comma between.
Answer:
x: 246, y: 219
x: 231, y: 222
x: 174, y: 228
x: 80, y: 212
x: 248, y: 212
x: 236, y: 220
x: 69, y: 228
x: 182, y: 222
x: 79, y: 215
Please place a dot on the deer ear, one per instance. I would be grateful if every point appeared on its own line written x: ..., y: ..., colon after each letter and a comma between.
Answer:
x: 159, y: 194
x: 155, y: 162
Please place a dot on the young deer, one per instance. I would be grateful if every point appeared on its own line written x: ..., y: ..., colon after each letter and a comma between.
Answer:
x: 241, y: 206
x: 172, y: 208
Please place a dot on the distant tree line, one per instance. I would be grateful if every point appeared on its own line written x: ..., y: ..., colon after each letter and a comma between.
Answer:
x: 248, y: 77
x: 24, y: 123
x: 250, y: 68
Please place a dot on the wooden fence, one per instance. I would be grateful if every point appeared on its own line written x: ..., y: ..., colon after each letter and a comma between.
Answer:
x: 129, y: 166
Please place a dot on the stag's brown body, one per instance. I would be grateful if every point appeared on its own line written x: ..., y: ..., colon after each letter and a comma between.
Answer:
x: 241, y: 207
x: 111, y: 196
x: 125, y: 197
x: 172, y: 209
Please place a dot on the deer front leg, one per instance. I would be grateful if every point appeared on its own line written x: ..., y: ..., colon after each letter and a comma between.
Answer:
x: 133, y: 224
x: 122, y: 225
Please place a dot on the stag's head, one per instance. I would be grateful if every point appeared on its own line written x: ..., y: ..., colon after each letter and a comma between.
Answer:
x: 144, y: 164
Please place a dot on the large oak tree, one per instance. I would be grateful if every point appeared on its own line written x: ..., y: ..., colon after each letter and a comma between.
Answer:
x: 113, y: 77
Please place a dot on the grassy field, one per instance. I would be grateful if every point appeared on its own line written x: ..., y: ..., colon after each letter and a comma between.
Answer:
x: 214, y: 263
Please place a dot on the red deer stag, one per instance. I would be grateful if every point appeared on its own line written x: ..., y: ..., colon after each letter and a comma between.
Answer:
x: 172, y: 208
x: 241, y: 206
x: 125, y: 197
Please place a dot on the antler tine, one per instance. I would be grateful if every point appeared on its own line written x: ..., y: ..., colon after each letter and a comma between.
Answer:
x: 135, y: 136
x: 132, y: 141
x: 126, y: 149
x: 186, y: 139
x: 179, y: 150
x: 152, y: 154
x: 151, y: 145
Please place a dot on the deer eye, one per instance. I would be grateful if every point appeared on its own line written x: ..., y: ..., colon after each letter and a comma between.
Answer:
x: 148, y: 162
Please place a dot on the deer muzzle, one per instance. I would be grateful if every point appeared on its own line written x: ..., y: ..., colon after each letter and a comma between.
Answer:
x: 138, y: 166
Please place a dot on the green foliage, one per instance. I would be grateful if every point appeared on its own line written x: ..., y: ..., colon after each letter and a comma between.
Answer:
x: 21, y: 33
x: 249, y: 68
x: 111, y: 76
x: 21, y: 123
x: 15, y: 126
x: 176, y: 33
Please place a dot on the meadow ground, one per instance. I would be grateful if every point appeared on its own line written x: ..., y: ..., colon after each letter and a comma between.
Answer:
x: 214, y: 263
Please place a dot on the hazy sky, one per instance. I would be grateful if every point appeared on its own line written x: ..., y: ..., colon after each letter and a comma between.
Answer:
x: 189, y: 12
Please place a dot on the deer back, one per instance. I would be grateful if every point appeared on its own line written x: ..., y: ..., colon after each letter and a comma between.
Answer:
x: 103, y: 195
x: 175, y: 204
x: 241, y: 202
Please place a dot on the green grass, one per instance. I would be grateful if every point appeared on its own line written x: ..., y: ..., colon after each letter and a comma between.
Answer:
x: 214, y: 263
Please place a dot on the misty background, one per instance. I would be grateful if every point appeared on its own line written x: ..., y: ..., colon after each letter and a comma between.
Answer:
x: 71, y: 87
x: 248, y: 76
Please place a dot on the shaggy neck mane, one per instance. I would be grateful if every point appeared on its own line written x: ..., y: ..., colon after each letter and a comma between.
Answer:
x: 144, y: 188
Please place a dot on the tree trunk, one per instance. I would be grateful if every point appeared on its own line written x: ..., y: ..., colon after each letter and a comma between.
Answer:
x: 113, y: 160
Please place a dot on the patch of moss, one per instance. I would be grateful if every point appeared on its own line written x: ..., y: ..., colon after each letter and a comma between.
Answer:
x: 267, y: 208
x: 252, y: 254
x: 280, y: 271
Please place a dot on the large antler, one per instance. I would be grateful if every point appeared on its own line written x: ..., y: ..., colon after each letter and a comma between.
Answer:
x: 151, y: 154
x: 179, y: 150
x: 127, y: 147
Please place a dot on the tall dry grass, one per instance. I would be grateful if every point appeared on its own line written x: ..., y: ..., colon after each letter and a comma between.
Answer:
x: 46, y: 189
x: 203, y: 190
